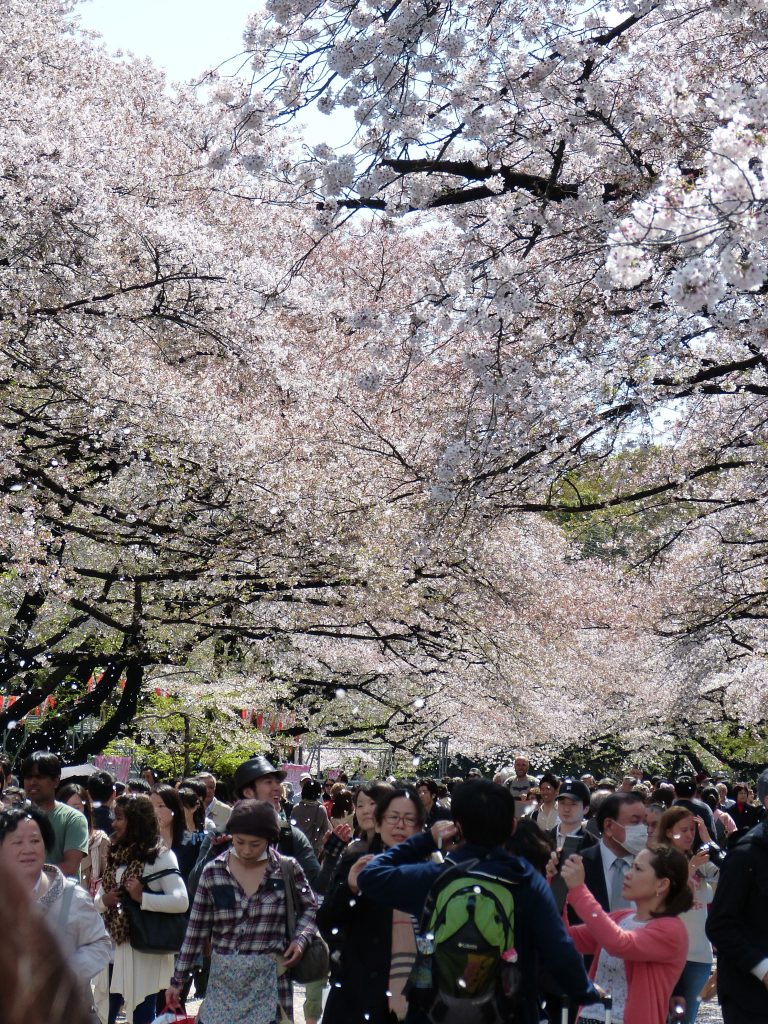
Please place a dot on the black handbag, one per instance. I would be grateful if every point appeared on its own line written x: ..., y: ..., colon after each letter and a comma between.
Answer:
x: 150, y: 931
x: 315, y: 963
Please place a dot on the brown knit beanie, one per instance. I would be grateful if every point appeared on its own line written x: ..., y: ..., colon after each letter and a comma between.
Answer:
x: 254, y: 818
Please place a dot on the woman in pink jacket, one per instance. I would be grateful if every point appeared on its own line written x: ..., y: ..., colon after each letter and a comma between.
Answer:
x: 638, y: 954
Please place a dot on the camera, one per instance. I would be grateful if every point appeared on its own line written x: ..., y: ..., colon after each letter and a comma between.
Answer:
x: 715, y: 852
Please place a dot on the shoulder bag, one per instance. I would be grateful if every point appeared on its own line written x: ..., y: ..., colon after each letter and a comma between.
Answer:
x: 151, y: 931
x: 315, y: 963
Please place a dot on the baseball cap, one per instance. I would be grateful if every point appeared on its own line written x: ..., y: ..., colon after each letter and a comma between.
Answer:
x: 576, y: 790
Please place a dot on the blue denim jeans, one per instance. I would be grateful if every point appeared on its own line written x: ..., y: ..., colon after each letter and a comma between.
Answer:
x: 691, y: 982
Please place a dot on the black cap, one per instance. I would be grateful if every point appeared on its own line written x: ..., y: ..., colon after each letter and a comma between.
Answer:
x: 252, y: 769
x: 576, y: 790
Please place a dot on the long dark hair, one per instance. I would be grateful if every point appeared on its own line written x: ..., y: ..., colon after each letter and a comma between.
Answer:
x: 374, y: 791
x: 670, y: 863
x: 192, y: 793
x: 65, y: 793
x: 342, y: 804
x: 38, y: 985
x: 172, y: 801
x: 531, y: 843
x: 142, y: 833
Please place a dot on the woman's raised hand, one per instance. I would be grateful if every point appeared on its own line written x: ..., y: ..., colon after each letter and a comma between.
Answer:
x: 355, y: 870
x: 573, y: 871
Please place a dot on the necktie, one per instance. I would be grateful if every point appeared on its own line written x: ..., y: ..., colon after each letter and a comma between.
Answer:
x: 618, y: 869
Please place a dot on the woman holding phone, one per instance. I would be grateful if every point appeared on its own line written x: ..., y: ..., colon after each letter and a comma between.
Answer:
x: 638, y: 954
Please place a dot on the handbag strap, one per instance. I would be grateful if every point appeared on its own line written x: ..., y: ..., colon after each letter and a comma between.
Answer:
x: 290, y: 896
x: 157, y: 874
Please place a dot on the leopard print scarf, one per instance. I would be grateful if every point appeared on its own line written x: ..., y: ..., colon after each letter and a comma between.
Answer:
x: 115, y: 920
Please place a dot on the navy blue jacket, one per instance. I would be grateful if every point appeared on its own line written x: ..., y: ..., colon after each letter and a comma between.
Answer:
x: 402, y: 878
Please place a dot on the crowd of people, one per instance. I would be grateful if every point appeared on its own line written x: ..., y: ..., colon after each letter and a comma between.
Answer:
x: 520, y: 898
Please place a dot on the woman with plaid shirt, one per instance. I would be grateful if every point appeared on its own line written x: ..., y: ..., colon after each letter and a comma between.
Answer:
x: 240, y: 907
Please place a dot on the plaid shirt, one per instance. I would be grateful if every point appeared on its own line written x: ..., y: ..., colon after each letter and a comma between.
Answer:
x: 236, y: 923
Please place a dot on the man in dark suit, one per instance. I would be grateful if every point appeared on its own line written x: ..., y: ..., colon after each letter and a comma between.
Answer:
x: 738, y: 925
x: 621, y: 820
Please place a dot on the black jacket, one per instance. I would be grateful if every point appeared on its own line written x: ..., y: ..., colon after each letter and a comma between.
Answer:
x: 437, y: 813
x: 738, y: 927
x: 745, y: 819
x: 594, y: 876
x: 359, y: 934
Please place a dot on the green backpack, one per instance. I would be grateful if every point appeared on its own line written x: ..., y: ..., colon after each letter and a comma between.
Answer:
x: 466, y: 966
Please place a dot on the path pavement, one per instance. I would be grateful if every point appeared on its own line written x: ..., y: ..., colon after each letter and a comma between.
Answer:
x: 708, y: 1014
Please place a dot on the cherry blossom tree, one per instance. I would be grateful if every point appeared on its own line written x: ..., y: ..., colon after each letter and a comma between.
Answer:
x: 589, y: 186
x: 192, y: 494
x: 310, y: 429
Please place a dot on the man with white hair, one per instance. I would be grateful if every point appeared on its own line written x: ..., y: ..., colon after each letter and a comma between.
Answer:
x: 216, y: 810
x: 738, y: 925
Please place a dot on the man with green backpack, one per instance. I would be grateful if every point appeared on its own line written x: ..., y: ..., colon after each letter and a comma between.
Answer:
x: 487, y: 920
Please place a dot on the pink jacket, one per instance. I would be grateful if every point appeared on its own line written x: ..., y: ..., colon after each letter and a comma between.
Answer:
x: 654, y: 956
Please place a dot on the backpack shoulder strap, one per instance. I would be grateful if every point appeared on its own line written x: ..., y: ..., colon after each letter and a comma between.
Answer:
x: 454, y: 870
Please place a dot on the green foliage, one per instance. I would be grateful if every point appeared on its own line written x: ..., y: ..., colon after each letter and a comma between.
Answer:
x: 728, y: 746
x: 613, y: 533
x: 177, y: 739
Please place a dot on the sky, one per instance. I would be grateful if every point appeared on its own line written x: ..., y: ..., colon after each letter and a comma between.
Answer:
x: 187, y: 37
x: 183, y: 36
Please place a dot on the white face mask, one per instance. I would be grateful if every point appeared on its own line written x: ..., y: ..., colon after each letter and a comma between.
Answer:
x: 635, y: 838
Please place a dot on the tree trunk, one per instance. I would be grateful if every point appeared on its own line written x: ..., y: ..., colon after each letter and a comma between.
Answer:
x: 187, y: 745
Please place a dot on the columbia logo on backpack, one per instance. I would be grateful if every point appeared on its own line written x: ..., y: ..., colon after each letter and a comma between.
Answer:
x: 466, y: 966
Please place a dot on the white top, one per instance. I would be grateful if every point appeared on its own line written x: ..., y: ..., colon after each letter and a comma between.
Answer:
x: 547, y: 819
x: 611, y: 976
x: 695, y: 919
x: 81, y: 934
x: 135, y: 975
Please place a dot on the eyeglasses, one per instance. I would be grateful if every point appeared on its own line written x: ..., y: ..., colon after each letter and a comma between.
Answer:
x: 397, y: 819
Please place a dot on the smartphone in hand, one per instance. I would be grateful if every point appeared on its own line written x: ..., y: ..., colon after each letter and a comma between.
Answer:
x: 571, y: 845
